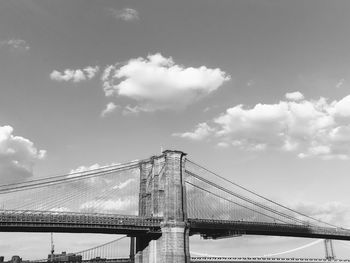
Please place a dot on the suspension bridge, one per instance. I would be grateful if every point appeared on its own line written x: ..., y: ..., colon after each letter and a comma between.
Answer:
x: 113, y: 251
x: 159, y: 202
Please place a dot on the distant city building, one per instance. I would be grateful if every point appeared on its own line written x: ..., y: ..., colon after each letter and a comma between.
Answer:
x: 64, y: 257
x: 2, y: 259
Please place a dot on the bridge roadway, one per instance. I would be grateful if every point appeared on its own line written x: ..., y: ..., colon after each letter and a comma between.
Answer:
x: 67, y: 222
x: 264, y: 260
x: 35, y: 221
x: 210, y: 228
x: 235, y: 260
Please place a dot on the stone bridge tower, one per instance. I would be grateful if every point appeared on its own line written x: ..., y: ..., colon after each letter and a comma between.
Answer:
x: 163, y: 194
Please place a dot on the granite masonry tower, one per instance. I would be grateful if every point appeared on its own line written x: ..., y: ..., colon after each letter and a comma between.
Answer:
x: 162, y: 194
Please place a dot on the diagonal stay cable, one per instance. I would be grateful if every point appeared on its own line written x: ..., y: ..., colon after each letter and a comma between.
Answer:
x: 289, y: 217
x: 81, y: 190
x: 81, y: 173
x: 52, y: 195
x: 247, y: 199
x: 70, y: 179
x: 70, y: 176
x: 265, y: 198
x: 233, y: 202
x: 54, y: 200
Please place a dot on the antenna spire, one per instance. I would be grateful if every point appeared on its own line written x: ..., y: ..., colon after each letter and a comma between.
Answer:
x: 52, y: 247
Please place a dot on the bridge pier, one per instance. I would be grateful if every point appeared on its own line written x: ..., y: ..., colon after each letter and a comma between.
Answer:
x: 171, y: 247
x: 329, y: 250
x: 132, y: 249
x: 162, y: 194
x: 175, y: 240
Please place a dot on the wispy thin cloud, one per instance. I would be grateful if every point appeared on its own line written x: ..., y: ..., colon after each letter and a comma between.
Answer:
x: 15, y: 44
x: 125, y: 14
x: 75, y: 75
x: 110, y: 107
x: 340, y: 83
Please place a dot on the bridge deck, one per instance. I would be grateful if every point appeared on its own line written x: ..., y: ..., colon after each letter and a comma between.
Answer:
x: 231, y: 260
x: 210, y: 228
x: 264, y: 260
x: 33, y: 221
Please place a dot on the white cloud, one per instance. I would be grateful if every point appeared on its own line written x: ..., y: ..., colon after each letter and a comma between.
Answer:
x: 202, y: 131
x: 17, y: 156
x: 75, y: 75
x: 15, y: 44
x: 294, y: 96
x: 126, y: 14
x: 110, y: 107
x: 342, y: 107
x: 60, y: 209
x: 130, y: 110
x: 340, y: 83
x: 157, y: 83
x: 110, y: 205
x: 331, y: 212
x: 124, y: 184
x: 250, y: 83
x: 309, y: 128
x: 83, y: 168
x: 91, y: 71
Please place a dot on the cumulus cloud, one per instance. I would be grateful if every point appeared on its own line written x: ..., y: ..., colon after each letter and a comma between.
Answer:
x: 15, y: 44
x: 309, y: 128
x: 75, y: 75
x: 294, y: 96
x: 157, y: 83
x: 202, y: 131
x: 110, y: 107
x: 17, y: 156
x: 126, y: 14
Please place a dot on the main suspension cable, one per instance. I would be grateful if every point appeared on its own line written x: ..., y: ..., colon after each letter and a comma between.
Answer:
x: 228, y: 200
x: 66, y: 179
x: 247, y: 199
x: 256, y: 194
x: 112, y: 166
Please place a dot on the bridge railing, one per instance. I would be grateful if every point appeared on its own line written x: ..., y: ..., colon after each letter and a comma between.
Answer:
x: 210, y: 228
x: 26, y: 216
x: 264, y: 259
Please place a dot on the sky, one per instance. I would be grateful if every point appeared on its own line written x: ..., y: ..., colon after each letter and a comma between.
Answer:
x: 257, y: 90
